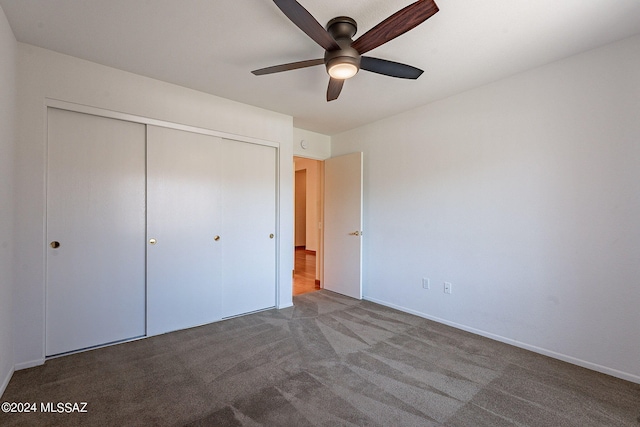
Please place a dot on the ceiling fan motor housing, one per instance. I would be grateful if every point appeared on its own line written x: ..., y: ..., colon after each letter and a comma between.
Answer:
x: 342, y: 29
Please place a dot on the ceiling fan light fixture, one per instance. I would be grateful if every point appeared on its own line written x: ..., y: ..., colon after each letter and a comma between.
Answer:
x: 343, y: 68
x: 343, y: 71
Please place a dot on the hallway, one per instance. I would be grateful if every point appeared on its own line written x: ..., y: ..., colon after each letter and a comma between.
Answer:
x: 304, y: 276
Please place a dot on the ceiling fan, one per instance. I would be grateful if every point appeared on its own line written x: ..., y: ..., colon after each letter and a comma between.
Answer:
x: 343, y: 57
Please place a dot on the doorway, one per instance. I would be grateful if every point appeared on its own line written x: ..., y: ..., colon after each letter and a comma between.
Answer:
x: 308, y: 206
x: 334, y: 236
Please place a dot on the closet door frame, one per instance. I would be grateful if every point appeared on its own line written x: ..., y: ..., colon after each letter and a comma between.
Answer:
x: 78, y: 108
x: 100, y: 112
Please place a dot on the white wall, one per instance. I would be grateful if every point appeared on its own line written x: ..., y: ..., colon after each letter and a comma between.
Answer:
x: 318, y: 145
x: 525, y: 195
x: 46, y: 74
x: 8, y: 48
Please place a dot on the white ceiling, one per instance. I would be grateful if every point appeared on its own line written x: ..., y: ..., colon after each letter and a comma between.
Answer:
x: 212, y: 45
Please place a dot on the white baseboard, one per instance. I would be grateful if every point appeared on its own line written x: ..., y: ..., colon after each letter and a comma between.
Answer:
x: 30, y: 364
x: 565, y: 358
x: 287, y: 305
x: 5, y: 382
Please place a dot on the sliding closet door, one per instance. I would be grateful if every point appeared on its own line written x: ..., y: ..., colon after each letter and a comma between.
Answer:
x: 183, y: 230
x: 249, y: 214
x: 95, y: 278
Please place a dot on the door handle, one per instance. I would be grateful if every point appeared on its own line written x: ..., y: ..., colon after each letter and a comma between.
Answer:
x: 216, y: 238
x: 356, y: 233
x: 153, y: 241
x: 55, y: 244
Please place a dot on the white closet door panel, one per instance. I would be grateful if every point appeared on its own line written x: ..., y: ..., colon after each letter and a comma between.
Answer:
x: 95, y: 284
x: 183, y: 197
x: 249, y: 214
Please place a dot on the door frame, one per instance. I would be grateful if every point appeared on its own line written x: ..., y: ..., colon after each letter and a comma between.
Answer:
x: 320, y: 253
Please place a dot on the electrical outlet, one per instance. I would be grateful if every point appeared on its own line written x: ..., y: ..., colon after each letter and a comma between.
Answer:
x: 425, y: 283
x: 447, y: 287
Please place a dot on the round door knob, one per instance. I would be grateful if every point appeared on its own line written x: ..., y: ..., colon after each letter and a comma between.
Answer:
x: 54, y: 244
x: 216, y: 238
x: 271, y: 236
x: 153, y: 241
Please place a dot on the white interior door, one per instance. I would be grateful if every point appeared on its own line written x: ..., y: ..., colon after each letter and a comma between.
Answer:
x: 249, y: 215
x: 343, y: 225
x: 184, y: 218
x: 95, y: 278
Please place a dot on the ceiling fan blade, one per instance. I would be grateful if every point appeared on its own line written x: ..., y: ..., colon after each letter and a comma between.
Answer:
x: 389, y: 68
x: 334, y: 89
x: 287, y: 67
x: 307, y: 23
x: 396, y: 25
